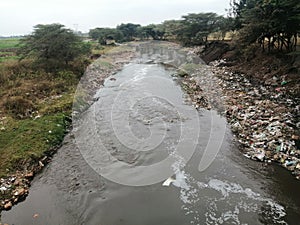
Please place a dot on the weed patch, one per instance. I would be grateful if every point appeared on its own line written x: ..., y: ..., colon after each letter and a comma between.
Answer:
x: 22, y: 142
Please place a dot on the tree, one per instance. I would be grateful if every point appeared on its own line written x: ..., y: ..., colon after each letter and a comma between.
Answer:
x: 225, y: 25
x: 155, y: 31
x: 172, y: 27
x: 53, y: 42
x: 104, y: 34
x: 274, y: 21
x: 197, y: 27
x: 129, y: 30
x: 142, y: 33
x: 95, y: 33
x: 237, y: 8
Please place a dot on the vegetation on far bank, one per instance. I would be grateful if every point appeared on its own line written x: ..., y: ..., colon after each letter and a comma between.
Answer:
x: 271, y: 25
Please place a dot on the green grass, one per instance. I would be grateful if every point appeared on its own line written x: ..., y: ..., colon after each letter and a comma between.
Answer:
x: 8, y: 48
x: 62, y: 104
x: 24, y: 141
x: 24, y: 87
x: 101, y: 49
x: 8, y: 43
x: 7, y: 58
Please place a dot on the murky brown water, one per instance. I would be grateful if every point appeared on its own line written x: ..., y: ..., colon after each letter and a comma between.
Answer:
x: 139, y: 119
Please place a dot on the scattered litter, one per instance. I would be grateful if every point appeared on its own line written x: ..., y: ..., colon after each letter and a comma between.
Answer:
x: 168, y: 182
x: 264, y: 118
x: 290, y: 163
x: 260, y: 156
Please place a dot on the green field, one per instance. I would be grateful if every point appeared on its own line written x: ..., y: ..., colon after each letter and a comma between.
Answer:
x: 8, y: 49
x: 8, y: 43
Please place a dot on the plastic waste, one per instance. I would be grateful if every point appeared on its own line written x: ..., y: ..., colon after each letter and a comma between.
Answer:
x: 168, y: 182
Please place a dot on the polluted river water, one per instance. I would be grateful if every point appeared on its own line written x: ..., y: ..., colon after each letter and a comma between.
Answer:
x: 143, y: 155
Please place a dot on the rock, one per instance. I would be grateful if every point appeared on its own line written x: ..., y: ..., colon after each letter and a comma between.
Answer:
x: 20, y: 192
x: 29, y: 175
x: 18, y: 182
x: 182, y: 73
x: 8, y: 206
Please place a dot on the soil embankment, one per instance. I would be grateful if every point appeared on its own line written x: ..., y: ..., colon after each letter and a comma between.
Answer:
x: 262, y: 102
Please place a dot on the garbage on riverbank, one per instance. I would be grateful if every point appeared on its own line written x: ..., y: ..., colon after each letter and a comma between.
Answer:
x: 15, y: 188
x: 263, y: 118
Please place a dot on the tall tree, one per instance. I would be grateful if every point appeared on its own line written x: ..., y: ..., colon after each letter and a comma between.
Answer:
x: 274, y: 21
x: 129, y: 30
x: 197, y: 26
x: 155, y: 31
x: 172, y: 27
x: 53, y: 42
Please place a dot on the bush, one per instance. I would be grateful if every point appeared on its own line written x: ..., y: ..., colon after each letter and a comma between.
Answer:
x: 19, y: 106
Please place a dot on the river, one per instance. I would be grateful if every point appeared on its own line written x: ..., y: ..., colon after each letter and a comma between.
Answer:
x: 141, y: 132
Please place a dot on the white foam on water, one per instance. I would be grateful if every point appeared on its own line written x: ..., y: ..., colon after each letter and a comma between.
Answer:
x: 140, y: 74
x: 226, y: 207
x: 226, y: 188
x: 276, y: 211
x: 180, y: 181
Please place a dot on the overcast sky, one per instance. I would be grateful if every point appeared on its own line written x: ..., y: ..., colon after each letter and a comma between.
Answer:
x: 17, y: 17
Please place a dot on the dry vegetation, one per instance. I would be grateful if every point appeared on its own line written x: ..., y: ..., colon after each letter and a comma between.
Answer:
x: 35, y: 106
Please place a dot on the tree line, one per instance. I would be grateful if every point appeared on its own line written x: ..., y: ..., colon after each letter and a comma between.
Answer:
x: 273, y: 24
x: 192, y: 29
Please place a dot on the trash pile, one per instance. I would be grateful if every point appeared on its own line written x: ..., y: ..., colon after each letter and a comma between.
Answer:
x: 195, y: 92
x: 14, y: 189
x: 263, y: 118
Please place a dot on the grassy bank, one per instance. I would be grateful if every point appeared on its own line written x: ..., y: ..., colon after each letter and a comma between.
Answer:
x: 35, y: 112
x: 8, y: 49
x: 25, y: 142
x: 34, y: 108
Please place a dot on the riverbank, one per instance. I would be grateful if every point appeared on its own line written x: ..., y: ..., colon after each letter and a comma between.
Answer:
x: 261, y: 98
x: 70, y: 191
x: 49, y: 123
x: 263, y: 120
